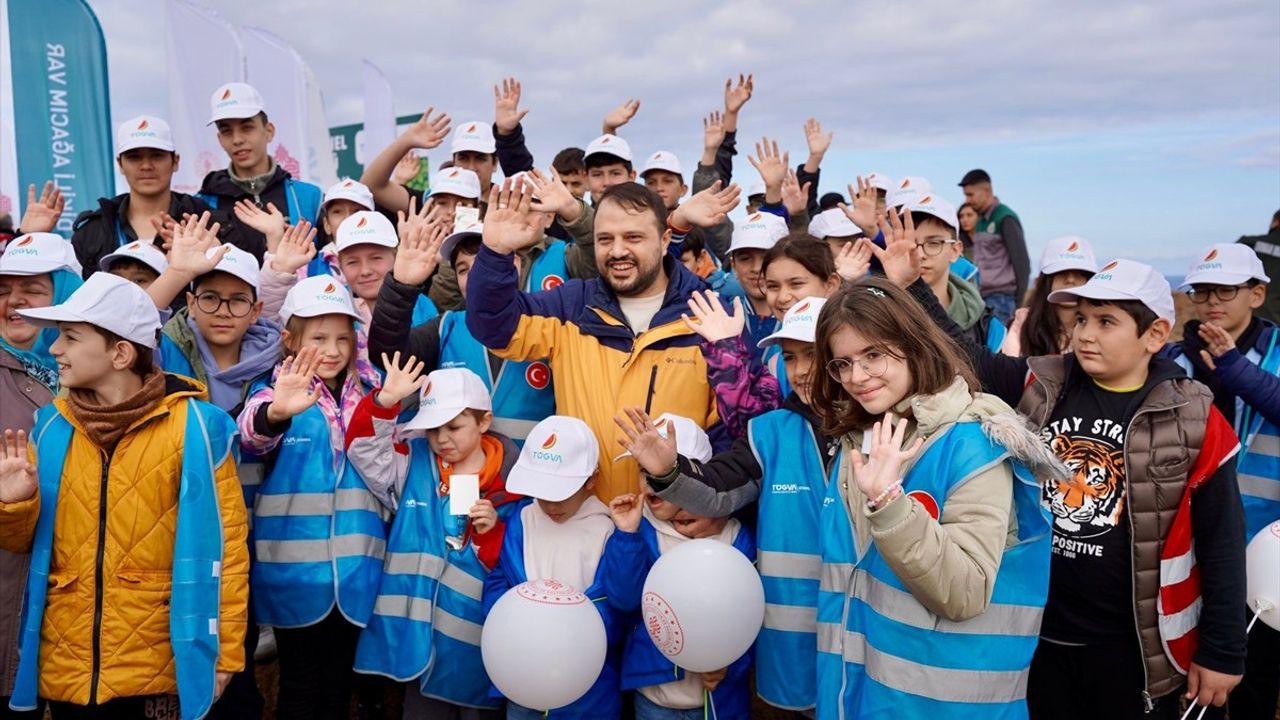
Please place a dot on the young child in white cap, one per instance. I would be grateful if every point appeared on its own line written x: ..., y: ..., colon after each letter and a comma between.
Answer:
x: 1042, y: 327
x: 1236, y: 354
x: 128, y: 500
x: 663, y: 690
x: 139, y: 262
x: 560, y: 533
x: 318, y: 530
x: 437, y: 553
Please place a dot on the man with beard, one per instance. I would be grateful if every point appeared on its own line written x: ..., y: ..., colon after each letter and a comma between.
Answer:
x: 615, y: 341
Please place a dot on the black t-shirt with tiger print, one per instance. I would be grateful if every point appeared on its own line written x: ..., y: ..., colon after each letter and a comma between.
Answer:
x: 1091, y: 579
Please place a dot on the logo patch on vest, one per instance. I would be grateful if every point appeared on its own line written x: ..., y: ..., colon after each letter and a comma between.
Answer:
x: 552, y: 282
x: 538, y: 375
x: 926, y: 500
x: 663, y: 625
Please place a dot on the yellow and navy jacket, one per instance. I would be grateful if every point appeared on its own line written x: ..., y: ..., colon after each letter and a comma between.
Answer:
x: 598, y: 364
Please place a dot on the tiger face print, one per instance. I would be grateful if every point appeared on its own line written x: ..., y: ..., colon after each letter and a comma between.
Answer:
x: 1093, y: 496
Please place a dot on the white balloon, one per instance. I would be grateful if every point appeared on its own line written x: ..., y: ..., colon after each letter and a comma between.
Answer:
x: 1262, y: 566
x: 543, y: 644
x: 703, y: 604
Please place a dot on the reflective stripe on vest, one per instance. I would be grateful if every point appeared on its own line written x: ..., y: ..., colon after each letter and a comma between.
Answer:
x: 523, y: 394
x: 791, y: 493
x: 881, y: 648
x: 319, y: 537
x: 195, y: 600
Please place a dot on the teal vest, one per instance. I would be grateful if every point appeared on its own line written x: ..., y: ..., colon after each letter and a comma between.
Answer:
x: 550, y: 270
x: 522, y: 392
x: 197, y: 554
x: 882, y: 654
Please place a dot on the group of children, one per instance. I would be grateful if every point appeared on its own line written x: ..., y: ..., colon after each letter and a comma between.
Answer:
x: 261, y: 416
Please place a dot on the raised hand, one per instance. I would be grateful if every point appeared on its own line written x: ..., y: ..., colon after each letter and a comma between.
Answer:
x: 165, y: 226
x: 42, y: 215
x: 655, y: 453
x: 854, y: 259
x: 512, y: 223
x: 1012, y: 345
x: 407, y: 168
x: 484, y: 517
x: 620, y: 116
x: 713, y: 322
x: 429, y: 131
x: 1218, y: 342
x: 708, y: 208
x: 899, y: 257
x: 196, y: 248
x: 293, y: 393
x: 712, y: 136
x: 419, y: 253
x: 818, y: 141
x: 883, y: 466
x: 18, y: 480
x: 296, y: 248
x: 551, y: 194
x: 772, y: 166
x: 795, y: 197
x: 506, y: 106
x: 401, y: 380
x: 626, y: 511
x: 735, y: 96
x: 863, y: 211
x: 270, y: 222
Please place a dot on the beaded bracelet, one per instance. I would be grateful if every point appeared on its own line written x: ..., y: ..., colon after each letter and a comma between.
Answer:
x: 884, y: 494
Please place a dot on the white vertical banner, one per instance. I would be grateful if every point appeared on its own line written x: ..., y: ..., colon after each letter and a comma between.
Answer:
x: 11, y: 196
x: 279, y: 75
x: 321, y: 163
x: 379, y: 114
x: 204, y: 52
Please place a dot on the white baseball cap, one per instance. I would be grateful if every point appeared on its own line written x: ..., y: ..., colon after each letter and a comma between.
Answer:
x: 799, y: 323
x: 662, y: 160
x: 238, y: 263
x: 833, y: 223
x: 609, y: 145
x: 143, y: 251
x: 691, y: 440
x: 456, y: 181
x: 760, y: 231
x: 144, y: 131
x: 470, y: 230
x: 37, y: 254
x: 880, y: 181
x: 446, y: 394
x: 474, y: 137
x: 235, y: 101
x: 315, y: 296
x: 906, y: 190
x: 1226, y: 264
x: 1124, y: 280
x: 351, y: 190
x: 366, y: 227
x: 559, y: 455
x: 756, y: 188
x: 109, y: 302
x: 932, y: 205
x: 1068, y: 253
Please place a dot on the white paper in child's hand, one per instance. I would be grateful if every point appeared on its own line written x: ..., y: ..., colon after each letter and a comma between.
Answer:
x: 464, y: 491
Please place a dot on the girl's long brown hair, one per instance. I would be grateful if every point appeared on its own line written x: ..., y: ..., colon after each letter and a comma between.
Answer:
x: 891, y: 319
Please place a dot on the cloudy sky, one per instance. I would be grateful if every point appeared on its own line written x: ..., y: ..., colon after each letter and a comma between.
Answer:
x: 1151, y: 128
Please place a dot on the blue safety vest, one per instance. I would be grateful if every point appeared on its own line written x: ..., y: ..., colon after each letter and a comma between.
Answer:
x: 643, y: 664
x: 966, y: 270
x: 789, y: 557
x: 522, y: 392
x: 428, y: 613
x: 302, y: 200
x: 996, y: 332
x: 772, y: 360
x: 197, y: 553
x: 319, y: 536
x: 882, y: 654
x: 550, y: 270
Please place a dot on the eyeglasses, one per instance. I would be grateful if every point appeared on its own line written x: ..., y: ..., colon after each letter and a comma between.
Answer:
x: 1225, y: 293
x: 932, y: 247
x: 210, y: 303
x: 874, y: 363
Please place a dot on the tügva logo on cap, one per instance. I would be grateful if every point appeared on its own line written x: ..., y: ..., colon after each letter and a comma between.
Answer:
x: 1103, y: 274
x: 547, y: 444
x: 1074, y: 246
x: 1207, y: 263
x: 329, y: 294
x: 22, y: 249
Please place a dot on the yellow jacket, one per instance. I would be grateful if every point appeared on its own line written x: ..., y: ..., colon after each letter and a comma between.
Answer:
x: 135, y: 491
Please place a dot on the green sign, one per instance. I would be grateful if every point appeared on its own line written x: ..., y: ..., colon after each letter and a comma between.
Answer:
x: 346, y: 138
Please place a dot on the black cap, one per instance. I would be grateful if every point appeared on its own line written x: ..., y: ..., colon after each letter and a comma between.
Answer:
x: 973, y: 177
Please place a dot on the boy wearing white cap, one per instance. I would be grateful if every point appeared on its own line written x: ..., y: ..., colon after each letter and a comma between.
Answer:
x: 244, y: 132
x: 664, y: 694
x: 319, y: 532
x: 146, y: 158
x: 139, y: 262
x: 1151, y: 463
x: 165, y: 632
x: 453, y: 507
x: 561, y: 533
x: 662, y: 174
x: 1236, y: 354
x: 752, y: 238
x: 472, y: 148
